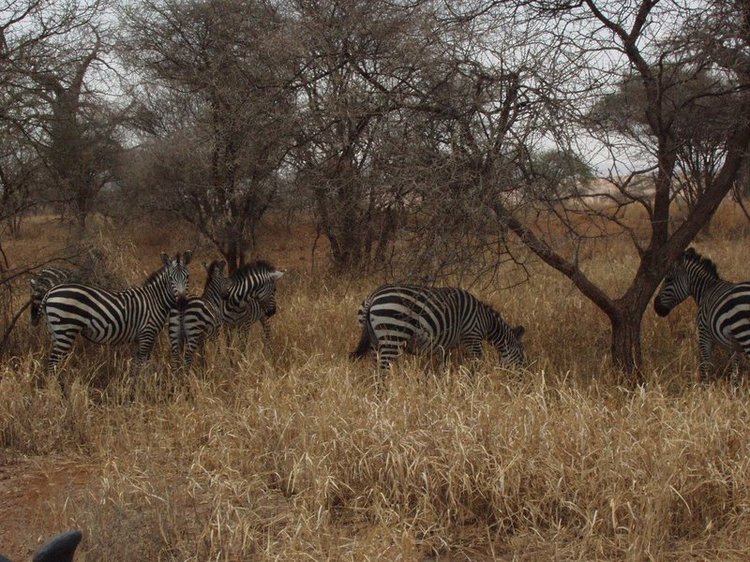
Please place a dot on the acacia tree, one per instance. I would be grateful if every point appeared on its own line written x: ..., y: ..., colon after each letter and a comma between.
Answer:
x: 75, y: 131
x: 216, y: 89
x: 649, y: 42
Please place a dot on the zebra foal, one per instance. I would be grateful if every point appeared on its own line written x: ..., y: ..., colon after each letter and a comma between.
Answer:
x: 414, y: 318
x: 106, y: 317
x: 723, y: 307
x: 193, y: 320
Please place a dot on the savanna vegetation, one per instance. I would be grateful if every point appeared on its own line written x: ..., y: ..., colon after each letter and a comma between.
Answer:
x: 292, y: 452
x: 553, y: 157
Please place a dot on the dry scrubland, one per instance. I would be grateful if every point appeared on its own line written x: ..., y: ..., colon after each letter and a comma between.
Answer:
x: 292, y: 453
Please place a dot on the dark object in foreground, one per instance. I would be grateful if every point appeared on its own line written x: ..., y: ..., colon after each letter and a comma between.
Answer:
x: 61, y: 548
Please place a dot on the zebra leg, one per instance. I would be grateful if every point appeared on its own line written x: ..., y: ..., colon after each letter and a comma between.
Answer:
x: 60, y: 349
x: 62, y: 344
x: 473, y: 348
x: 191, y: 346
x: 706, y: 351
x: 175, y: 354
x: 734, y: 375
x: 145, y: 343
x: 266, y: 324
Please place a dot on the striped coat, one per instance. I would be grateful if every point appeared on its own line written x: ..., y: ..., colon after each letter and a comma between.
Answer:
x: 413, y: 318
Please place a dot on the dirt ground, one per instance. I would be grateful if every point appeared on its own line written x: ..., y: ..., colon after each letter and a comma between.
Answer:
x: 33, y: 491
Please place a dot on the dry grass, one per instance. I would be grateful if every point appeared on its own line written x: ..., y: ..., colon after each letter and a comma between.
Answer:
x: 293, y: 453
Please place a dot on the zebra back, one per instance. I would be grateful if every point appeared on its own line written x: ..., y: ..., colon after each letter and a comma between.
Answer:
x: 418, y: 318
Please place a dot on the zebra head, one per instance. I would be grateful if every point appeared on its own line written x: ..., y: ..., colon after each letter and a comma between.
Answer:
x: 176, y: 272
x: 256, y: 281
x: 217, y: 286
x: 511, y: 348
x: 682, y: 280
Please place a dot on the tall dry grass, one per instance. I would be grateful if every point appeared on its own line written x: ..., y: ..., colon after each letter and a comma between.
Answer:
x: 291, y: 452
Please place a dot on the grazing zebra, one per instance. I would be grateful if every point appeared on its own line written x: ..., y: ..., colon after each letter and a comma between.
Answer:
x: 41, y: 283
x: 416, y: 318
x: 195, y: 319
x: 136, y: 314
x: 251, y: 296
x: 723, y: 307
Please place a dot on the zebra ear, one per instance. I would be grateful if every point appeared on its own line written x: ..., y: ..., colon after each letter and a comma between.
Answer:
x: 205, y: 265
x: 278, y: 274
x: 221, y: 265
x: 690, y: 252
x: 32, y: 282
x: 186, y: 257
x: 165, y: 258
x: 519, y: 331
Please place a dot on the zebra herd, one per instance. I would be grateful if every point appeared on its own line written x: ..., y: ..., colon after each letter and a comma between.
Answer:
x: 138, y: 314
x: 394, y: 318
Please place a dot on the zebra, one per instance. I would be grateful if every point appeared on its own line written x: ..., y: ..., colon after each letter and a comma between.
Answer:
x: 723, y: 307
x: 91, y: 270
x: 251, y: 296
x: 42, y: 282
x: 136, y: 314
x: 416, y: 318
x: 195, y: 319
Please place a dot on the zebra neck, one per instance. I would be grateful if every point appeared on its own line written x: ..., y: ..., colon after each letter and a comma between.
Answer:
x: 702, y: 287
x: 158, y: 289
x: 213, y: 299
x: 706, y: 286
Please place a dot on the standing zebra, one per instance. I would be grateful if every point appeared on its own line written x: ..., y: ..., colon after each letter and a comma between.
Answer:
x: 723, y: 307
x: 415, y: 318
x: 251, y: 296
x: 136, y: 314
x: 41, y: 283
x: 195, y: 319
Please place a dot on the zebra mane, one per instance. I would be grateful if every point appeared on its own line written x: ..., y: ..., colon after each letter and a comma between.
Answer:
x: 690, y: 256
x: 154, y: 276
x: 210, y: 272
x: 258, y: 266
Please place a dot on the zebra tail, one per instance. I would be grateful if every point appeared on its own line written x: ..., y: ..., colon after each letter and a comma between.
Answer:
x: 367, y: 338
x: 363, y: 347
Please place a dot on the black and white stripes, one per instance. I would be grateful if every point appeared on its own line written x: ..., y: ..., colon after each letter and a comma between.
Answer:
x: 413, y: 318
x: 251, y: 296
x: 195, y: 319
x: 247, y: 296
x: 134, y: 315
x: 41, y: 283
x: 723, y: 307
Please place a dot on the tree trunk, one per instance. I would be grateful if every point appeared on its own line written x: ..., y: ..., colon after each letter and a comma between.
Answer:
x: 626, y: 343
x: 232, y: 255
